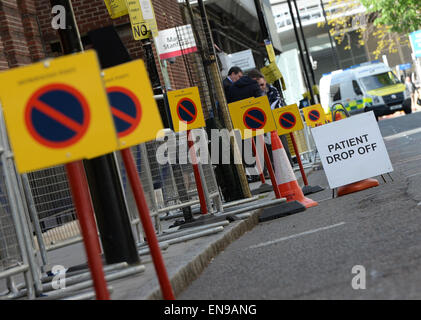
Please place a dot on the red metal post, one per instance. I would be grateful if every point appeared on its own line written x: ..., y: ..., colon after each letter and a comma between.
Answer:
x: 297, y: 155
x: 259, y: 166
x: 145, y: 218
x: 200, y: 191
x: 270, y: 169
x: 85, y: 214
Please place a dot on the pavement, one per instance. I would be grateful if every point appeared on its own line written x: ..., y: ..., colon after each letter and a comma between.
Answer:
x: 311, y: 254
x: 385, y: 238
x: 187, y: 259
x: 184, y: 260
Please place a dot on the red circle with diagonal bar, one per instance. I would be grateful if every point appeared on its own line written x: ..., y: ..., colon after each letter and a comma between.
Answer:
x: 57, y: 115
x: 314, y: 115
x: 187, y: 110
x: 287, y: 120
x: 254, y: 118
x: 126, y: 110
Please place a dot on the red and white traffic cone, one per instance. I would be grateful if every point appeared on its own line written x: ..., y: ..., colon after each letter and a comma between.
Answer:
x: 285, y: 177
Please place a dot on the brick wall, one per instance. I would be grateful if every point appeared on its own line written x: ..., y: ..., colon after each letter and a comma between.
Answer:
x: 31, y: 29
x: 90, y: 15
x: 13, y: 35
x: 3, y: 60
x: 26, y: 34
x: 93, y: 14
x: 22, y: 22
x: 168, y: 15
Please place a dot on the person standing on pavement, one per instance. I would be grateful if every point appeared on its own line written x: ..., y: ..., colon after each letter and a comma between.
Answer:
x: 244, y: 88
x: 275, y: 101
x: 410, y: 89
x: 234, y: 73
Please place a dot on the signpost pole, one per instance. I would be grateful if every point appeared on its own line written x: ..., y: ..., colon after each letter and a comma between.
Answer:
x: 85, y: 213
x: 145, y: 217
x: 101, y: 172
x: 200, y: 190
x: 259, y: 166
x: 219, y: 90
x: 297, y: 155
x: 270, y: 169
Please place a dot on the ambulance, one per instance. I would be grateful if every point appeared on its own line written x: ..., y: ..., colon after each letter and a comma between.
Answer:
x: 370, y: 86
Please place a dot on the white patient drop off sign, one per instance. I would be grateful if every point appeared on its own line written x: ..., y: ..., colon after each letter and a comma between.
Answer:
x: 352, y: 149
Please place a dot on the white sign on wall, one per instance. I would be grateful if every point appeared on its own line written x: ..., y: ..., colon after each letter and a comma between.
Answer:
x: 243, y: 59
x: 175, y: 42
x: 352, y: 149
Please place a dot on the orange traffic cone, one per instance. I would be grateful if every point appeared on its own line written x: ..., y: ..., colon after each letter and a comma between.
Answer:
x: 285, y: 177
x: 357, y: 186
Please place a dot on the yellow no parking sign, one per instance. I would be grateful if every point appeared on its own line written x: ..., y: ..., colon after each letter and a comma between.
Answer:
x: 135, y: 113
x: 186, y: 109
x: 252, y: 114
x: 288, y: 119
x: 57, y: 111
x: 314, y: 115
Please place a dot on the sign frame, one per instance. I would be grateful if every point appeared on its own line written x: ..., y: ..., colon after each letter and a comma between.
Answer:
x: 80, y: 71
x: 133, y: 77
x: 291, y: 109
x: 238, y: 110
x: 352, y: 149
x: 187, y: 94
x: 322, y: 116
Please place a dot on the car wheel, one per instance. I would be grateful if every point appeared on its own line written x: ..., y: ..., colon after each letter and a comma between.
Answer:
x: 407, y: 109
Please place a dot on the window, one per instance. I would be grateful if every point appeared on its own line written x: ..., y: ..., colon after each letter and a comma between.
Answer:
x: 379, y: 80
x: 357, y: 88
x: 335, y: 92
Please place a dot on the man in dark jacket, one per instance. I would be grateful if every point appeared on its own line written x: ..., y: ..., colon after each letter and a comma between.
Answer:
x: 244, y: 88
x: 234, y: 73
x: 275, y: 101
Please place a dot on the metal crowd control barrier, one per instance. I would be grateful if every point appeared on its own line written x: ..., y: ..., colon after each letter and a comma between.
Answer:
x: 168, y: 188
x: 143, y: 168
x: 13, y: 259
x: 306, y: 145
x: 176, y: 181
x: 49, y: 195
x: 17, y: 252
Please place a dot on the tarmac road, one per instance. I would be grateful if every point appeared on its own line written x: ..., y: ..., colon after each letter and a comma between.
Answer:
x: 310, y: 255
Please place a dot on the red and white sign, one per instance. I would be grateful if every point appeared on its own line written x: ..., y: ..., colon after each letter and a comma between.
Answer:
x: 175, y: 42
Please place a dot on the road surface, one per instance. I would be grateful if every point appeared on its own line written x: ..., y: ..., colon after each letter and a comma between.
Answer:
x: 312, y: 255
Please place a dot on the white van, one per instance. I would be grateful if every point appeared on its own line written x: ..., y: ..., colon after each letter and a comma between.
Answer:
x: 365, y: 87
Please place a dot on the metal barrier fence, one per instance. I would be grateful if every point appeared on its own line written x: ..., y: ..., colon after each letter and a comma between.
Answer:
x: 17, y: 252
x: 143, y: 168
x: 54, y: 207
x: 305, y: 144
x: 167, y: 187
